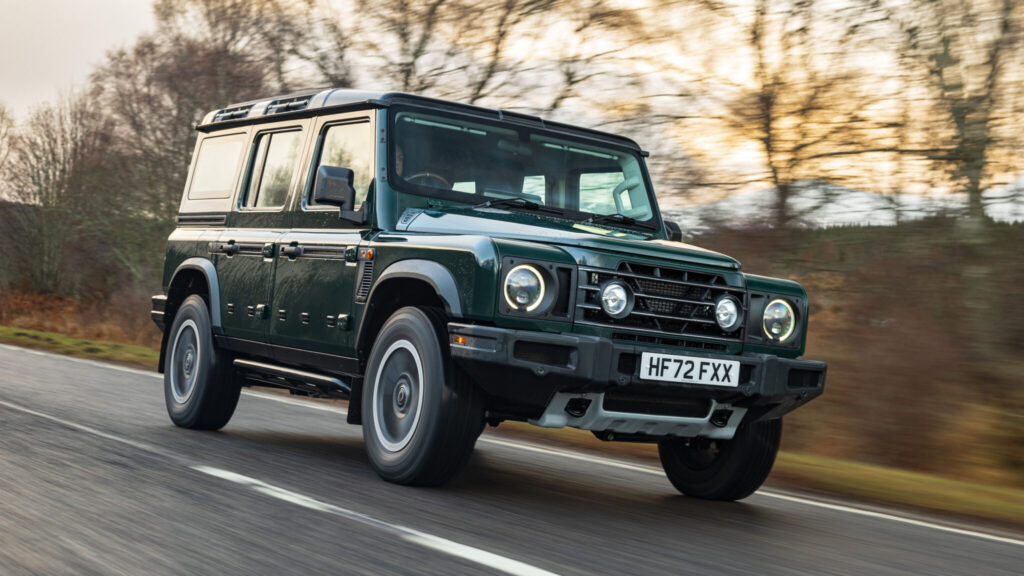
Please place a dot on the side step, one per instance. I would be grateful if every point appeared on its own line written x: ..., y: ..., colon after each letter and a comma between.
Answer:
x: 262, y: 373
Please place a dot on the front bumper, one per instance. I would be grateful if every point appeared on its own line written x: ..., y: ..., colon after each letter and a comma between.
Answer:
x: 536, y: 375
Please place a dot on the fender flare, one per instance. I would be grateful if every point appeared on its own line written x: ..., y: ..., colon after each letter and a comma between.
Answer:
x: 439, y: 277
x: 210, y: 272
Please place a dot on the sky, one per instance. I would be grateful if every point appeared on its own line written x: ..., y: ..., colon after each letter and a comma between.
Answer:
x: 48, y: 47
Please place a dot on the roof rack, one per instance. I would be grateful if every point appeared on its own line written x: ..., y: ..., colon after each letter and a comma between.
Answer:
x: 232, y: 113
x: 288, y: 104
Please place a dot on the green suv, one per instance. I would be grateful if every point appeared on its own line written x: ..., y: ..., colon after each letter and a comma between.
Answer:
x: 445, y: 267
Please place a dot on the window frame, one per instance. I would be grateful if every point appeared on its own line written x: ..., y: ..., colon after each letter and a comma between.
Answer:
x: 403, y: 187
x: 316, y: 152
x: 242, y: 196
x: 218, y: 205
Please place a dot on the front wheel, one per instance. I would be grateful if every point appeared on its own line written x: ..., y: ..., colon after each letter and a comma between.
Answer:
x: 722, y: 469
x: 421, y: 416
x: 200, y: 389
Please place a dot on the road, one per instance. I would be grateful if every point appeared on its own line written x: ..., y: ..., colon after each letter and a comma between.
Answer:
x: 94, y: 479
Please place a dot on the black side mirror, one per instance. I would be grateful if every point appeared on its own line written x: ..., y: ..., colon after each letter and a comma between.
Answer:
x: 333, y: 186
x: 675, y: 233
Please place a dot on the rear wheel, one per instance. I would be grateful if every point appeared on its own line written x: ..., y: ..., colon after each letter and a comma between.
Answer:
x: 722, y: 469
x: 421, y: 415
x: 200, y: 388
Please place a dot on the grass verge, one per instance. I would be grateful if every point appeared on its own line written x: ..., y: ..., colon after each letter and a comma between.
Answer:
x: 125, y: 354
x: 854, y: 480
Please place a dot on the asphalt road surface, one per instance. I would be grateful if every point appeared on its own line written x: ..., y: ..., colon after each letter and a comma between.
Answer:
x: 94, y: 479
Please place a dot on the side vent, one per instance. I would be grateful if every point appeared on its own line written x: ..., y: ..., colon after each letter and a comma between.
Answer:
x: 202, y: 219
x: 365, y: 280
x: 288, y: 104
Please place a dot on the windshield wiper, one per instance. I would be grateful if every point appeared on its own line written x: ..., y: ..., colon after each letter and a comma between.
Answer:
x: 516, y: 202
x: 619, y: 219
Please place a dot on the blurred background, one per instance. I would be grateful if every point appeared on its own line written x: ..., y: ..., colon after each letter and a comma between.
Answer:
x: 865, y: 148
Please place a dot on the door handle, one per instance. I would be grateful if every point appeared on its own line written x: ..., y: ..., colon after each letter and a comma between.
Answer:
x: 229, y: 248
x: 291, y: 252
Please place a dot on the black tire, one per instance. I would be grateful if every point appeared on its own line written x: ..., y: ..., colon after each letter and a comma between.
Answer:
x: 200, y: 388
x: 723, y: 469
x: 421, y: 415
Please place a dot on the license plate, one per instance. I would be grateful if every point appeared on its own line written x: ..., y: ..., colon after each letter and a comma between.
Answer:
x: 672, y: 368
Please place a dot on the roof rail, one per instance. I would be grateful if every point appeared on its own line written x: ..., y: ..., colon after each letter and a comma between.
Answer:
x: 232, y: 113
x: 288, y: 104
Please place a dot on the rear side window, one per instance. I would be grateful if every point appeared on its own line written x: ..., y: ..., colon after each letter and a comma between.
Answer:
x: 349, y: 146
x: 275, y: 158
x: 216, y: 167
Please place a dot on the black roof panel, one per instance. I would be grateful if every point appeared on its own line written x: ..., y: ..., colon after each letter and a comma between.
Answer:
x: 308, y: 103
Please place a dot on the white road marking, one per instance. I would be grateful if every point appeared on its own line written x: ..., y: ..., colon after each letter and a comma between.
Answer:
x: 415, y: 537
x: 540, y: 449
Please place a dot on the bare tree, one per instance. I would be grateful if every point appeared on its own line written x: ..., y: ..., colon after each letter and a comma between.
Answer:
x: 6, y: 127
x: 407, y: 39
x: 503, y: 51
x: 962, y: 50
x: 806, y: 103
x: 52, y: 175
x: 592, y: 48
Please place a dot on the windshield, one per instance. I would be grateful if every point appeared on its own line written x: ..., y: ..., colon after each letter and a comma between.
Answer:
x: 478, y: 162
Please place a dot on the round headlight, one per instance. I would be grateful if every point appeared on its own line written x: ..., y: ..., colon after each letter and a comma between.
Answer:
x: 616, y: 300
x: 727, y: 314
x: 779, y: 320
x: 524, y: 288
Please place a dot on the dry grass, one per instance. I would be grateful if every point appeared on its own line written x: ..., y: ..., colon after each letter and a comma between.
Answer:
x: 122, y: 318
x: 142, y: 357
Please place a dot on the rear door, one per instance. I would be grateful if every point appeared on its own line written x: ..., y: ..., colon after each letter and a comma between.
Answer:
x: 245, y: 252
x: 321, y: 264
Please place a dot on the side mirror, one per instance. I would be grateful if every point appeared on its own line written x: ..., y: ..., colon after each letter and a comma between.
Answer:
x: 675, y: 233
x: 333, y: 186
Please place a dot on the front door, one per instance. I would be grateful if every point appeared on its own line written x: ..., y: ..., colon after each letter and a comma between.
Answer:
x: 245, y: 252
x: 320, y: 263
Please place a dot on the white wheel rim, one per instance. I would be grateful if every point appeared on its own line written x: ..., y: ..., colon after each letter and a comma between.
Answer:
x: 396, y: 395
x: 185, y: 357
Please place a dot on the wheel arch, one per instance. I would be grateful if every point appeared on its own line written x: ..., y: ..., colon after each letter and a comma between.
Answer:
x: 413, y: 282
x: 193, y: 276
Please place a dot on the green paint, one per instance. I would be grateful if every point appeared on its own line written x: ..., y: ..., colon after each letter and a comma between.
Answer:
x: 401, y: 225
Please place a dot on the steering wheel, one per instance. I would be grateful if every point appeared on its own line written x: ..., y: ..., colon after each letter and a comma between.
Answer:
x: 430, y: 179
x: 627, y: 184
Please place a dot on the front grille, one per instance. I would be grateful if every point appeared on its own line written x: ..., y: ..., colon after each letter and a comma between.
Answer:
x: 676, y: 342
x: 670, y: 302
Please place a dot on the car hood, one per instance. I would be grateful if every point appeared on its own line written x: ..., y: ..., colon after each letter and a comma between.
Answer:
x: 520, y: 226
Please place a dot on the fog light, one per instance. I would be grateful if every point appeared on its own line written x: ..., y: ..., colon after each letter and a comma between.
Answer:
x: 616, y: 299
x: 727, y: 313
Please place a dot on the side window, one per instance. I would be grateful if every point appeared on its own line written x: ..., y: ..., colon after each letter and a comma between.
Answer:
x: 348, y: 146
x: 596, y: 192
x: 214, y: 175
x: 275, y: 156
